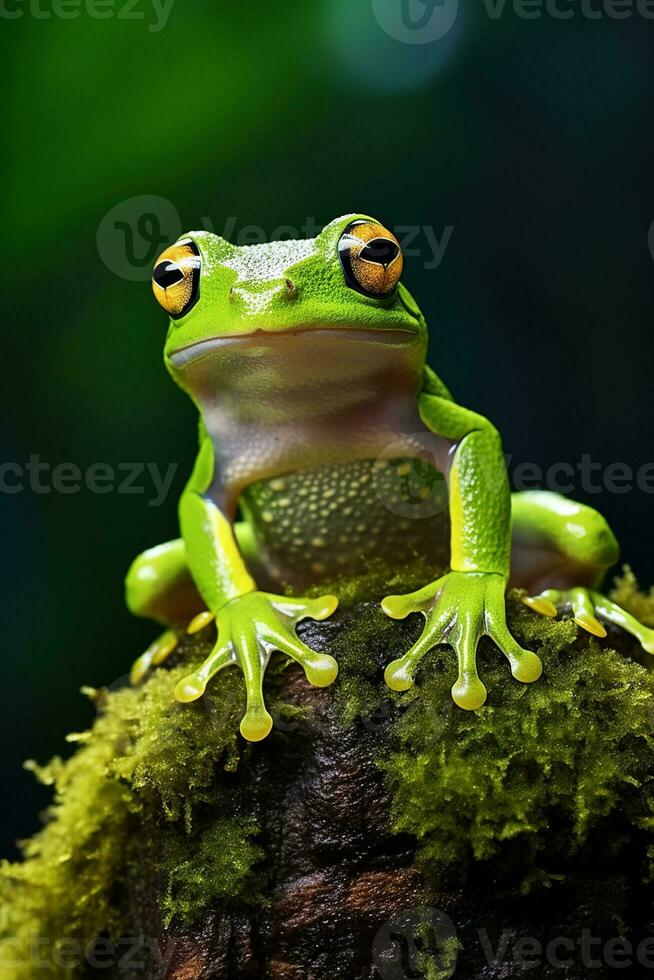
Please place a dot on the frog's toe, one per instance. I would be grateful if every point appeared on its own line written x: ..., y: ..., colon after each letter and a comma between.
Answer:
x: 295, y: 610
x: 401, y: 606
x: 583, y: 608
x: 199, y: 622
x: 190, y: 689
x: 591, y: 624
x: 397, y: 606
x: 252, y: 657
x: 612, y: 613
x: 158, y: 651
x: 541, y: 605
x: 321, y: 608
x: 469, y: 692
x: 400, y: 673
x: 193, y: 686
x: 526, y: 666
x: 320, y: 669
x: 256, y: 724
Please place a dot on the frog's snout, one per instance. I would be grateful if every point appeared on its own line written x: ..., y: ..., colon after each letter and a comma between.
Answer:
x: 273, y: 291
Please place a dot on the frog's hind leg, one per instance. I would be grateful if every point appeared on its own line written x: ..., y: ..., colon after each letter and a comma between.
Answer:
x: 561, y: 551
x: 159, y: 586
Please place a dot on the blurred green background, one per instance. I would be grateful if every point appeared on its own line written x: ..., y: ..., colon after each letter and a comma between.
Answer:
x: 531, y: 138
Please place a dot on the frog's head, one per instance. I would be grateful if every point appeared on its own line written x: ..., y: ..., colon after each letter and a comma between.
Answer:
x: 346, y: 280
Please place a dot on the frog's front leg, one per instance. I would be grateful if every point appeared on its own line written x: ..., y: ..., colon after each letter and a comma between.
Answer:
x: 159, y: 586
x: 561, y: 553
x: 251, y: 624
x: 469, y: 601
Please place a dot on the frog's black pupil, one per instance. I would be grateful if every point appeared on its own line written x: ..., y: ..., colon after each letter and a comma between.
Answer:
x: 167, y: 274
x: 380, y: 250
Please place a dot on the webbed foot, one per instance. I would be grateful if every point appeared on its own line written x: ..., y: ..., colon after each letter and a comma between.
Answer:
x: 250, y: 628
x: 459, y: 609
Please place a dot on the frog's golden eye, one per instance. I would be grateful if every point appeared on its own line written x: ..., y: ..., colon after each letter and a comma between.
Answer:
x: 176, y: 278
x: 371, y: 258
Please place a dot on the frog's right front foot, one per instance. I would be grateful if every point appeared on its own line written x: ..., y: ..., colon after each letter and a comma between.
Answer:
x: 250, y: 628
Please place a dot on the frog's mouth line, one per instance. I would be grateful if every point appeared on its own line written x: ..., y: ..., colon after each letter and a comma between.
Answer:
x: 258, y: 338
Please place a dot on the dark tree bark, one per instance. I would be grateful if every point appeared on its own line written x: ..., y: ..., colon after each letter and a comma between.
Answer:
x: 345, y: 897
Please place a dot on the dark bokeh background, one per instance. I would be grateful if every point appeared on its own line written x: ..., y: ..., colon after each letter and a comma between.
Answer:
x: 533, y: 138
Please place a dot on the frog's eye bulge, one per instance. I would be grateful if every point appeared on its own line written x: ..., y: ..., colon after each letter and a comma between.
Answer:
x: 371, y: 258
x: 176, y: 278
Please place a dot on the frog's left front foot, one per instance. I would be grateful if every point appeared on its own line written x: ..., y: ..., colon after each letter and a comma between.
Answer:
x: 459, y: 609
x: 586, y: 606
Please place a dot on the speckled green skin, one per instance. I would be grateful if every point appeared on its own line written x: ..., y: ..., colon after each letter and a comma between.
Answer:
x: 315, y: 524
x: 317, y: 416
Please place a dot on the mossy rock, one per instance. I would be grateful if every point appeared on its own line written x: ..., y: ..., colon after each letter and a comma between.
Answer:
x: 373, y: 835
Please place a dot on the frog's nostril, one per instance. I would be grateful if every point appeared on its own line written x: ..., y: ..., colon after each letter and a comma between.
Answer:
x: 264, y: 293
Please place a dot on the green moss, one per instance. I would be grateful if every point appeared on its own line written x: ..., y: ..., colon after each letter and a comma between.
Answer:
x: 627, y: 594
x: 440, y: 966
x: 64, y: 888
x: 529, y: 778
x: 437, y: 947
x: 527, y: 782
x: 146, y: 758
x: 217, y: 866
x: 376, y: 582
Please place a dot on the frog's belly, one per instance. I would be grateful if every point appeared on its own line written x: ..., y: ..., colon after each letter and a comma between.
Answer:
x: 314, y: 524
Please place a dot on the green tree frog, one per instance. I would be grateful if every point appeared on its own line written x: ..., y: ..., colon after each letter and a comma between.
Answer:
x: 306, y: 361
